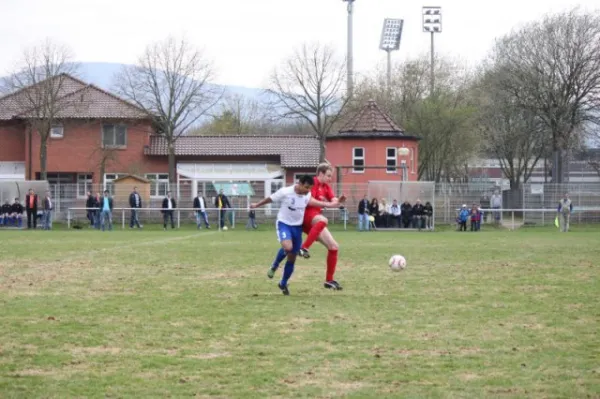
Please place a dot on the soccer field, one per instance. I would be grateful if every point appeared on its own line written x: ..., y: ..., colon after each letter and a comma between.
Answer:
x: 192, y: 313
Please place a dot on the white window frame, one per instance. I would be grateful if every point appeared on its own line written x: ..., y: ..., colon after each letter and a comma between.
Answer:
x: 158, y: 180
x: 114, y: 126
x: 108, y: 181
x: 355, y: 158
x: 57, y: 131
x: 84, y: 179
x: 412, y: 161
x: 297, y: 175
x: 389, y: 158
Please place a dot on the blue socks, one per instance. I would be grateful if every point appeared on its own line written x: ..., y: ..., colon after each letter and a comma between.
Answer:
x: 278, y: 258
x: 287, y: 273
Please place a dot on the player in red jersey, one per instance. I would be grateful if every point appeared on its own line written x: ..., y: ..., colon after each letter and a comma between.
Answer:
x: 315, y: 224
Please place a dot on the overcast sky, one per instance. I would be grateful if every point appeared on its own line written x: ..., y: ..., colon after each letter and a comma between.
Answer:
x: 247, y: 38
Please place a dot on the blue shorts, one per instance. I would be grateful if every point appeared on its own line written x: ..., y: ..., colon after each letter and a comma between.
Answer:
x: 292, y: 233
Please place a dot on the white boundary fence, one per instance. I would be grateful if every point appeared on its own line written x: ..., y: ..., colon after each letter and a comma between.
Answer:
x: 233, y: 216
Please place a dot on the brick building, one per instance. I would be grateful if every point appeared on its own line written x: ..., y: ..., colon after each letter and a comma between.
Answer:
x: 99, y: 137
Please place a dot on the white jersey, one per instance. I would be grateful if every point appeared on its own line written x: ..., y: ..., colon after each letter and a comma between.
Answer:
x: 292, y: 207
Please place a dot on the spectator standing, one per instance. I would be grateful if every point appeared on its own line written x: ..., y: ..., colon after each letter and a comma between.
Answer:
x: 48, y: 208
x: 135, y: 203
x: 565, y: 208
x: 168, y: 205
x: 31, y: 207
x: 106, y: 208
x: 200, y: 207
x: 222, y: 203
x: 463, y: 216
x: 428, y: 215
x: 496, y: 203
x: 406, y: 211
x: 363, y: 214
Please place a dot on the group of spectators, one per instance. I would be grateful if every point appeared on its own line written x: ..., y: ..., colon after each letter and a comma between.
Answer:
x: 11, y: 215
x: 378, y: 214
x: 100, y: 208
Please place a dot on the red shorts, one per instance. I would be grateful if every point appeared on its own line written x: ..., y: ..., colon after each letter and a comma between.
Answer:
x: 308, y: 218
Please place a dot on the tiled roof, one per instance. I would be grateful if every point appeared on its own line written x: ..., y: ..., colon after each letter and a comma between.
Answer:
x: 76, y: 100
x: 295, y: 151
x: 370, y: 119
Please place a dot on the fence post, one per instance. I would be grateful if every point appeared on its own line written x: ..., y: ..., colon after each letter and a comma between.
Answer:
x: 178, y: 218
x: 513, y: 219
x: 123, y: 218
x: 219, y: 218
x: 69, y: 218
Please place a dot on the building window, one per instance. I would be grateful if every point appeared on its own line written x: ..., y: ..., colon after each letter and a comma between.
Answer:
x: 159, y: 184
x: 84, y: 184
x: 114, y: 136
x: 391, y: 160
x: 358, y: 159
x: 108, y: 182
x: 57, y: 132
x: 297, y: 175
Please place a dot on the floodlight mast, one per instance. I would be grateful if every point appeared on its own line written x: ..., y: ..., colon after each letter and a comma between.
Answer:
x: 391, y: 35
x: 432, y: 23
x: 350, y: 56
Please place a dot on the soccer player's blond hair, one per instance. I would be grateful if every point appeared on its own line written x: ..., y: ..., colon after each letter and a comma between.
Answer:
x: 324, y: 167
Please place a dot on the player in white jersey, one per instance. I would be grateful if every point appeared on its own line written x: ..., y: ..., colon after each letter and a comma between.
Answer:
x: 294, y: 200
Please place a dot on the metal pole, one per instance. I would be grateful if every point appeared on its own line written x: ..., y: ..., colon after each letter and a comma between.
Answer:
x: 431, y: 66
x: 350, y: 60
x: 389, y: 73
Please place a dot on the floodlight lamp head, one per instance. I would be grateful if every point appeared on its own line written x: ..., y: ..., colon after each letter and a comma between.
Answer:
x: 391, y: 34
x: 432, y: 19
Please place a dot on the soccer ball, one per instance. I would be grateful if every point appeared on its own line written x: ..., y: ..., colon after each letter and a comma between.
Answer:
x: 397, y: 263
x: 225, y: 228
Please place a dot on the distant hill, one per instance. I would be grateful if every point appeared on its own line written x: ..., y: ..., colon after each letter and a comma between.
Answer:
x: 102, y: 74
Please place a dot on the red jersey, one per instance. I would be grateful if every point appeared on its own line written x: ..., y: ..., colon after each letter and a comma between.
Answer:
x: 320, y: 192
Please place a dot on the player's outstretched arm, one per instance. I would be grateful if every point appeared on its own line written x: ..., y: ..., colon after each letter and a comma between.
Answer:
x: 260, y: 203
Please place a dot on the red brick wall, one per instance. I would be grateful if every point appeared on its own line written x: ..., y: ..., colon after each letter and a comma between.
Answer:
x: 339, y: 153
x: 12, y: 142
x: 80, y: 150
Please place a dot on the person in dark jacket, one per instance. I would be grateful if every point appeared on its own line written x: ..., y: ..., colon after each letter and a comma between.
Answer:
x: 418, y: 211
x: 135, y: 203
x: 91, y: 208
x: 406, y: 211
x: 363, y: 214
x: 17, y: 213
x: 31, y: 207
x: 222, y: 203
x: 428, y: 214
x: 168, y: 205
x: 5, y: 213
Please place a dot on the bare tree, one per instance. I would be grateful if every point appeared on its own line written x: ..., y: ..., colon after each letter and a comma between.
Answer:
x: 236, y: 115
x: 443, y: 121
x: 103, y: 157
x: 552, y: 69
x: 39, y: 87
x: 173, y: 82
x: 308, y: 87
x: 515, y: 136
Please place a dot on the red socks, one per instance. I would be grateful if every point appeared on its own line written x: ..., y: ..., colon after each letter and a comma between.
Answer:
x: 332, y: 256
x: 314, y: 234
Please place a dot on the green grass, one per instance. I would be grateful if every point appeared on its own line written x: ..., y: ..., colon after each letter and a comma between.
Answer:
x: 187, y: 313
